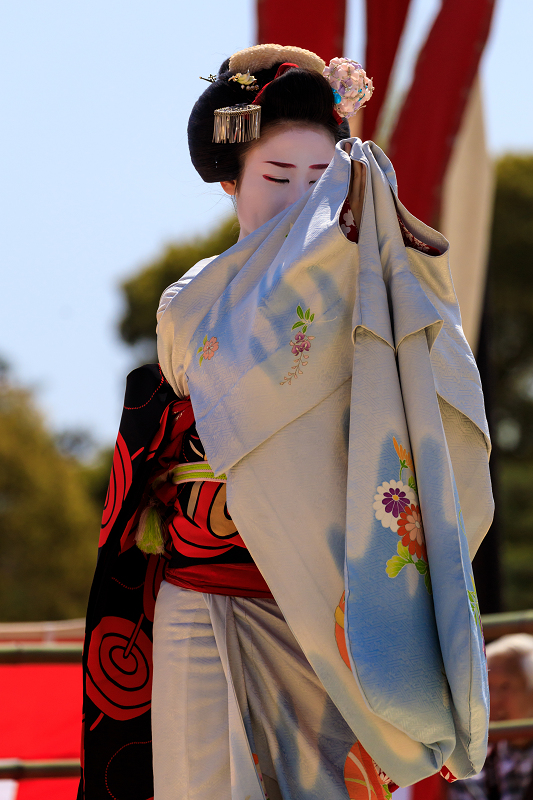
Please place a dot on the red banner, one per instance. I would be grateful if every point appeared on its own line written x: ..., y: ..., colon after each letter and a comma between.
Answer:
x: 318, y: 27
x: 41, y: 719
x: 422, y: 141
x: 385, y: 22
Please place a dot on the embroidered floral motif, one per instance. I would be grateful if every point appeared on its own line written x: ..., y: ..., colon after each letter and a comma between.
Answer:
x: 397, y: 507
x: 208, y: 348
x: 305, y: 319
x: 474, y: 605
x: 301, y: 344
x: 472, y: 593
x: 411, y: 529
x: 406, y: 461
x: 391, y: 499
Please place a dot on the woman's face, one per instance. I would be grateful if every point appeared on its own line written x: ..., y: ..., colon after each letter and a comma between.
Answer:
x: 278, y: 171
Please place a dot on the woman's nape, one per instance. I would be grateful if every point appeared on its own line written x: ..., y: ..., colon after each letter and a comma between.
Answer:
x: 277, y: 171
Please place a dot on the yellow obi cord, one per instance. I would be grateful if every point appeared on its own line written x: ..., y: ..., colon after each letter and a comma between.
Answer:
x: 197, y: 471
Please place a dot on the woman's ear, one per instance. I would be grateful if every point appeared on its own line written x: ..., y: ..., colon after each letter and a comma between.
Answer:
x: 229, y: 187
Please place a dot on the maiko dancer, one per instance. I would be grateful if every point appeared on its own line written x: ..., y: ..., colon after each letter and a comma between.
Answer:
x: 299, y: 486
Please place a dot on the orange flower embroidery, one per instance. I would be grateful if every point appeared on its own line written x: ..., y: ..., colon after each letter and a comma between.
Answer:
x: 403, y: 455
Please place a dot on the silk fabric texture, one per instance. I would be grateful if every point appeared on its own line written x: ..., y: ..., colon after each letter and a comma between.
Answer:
x: 229, y: 678
x: 387, y: 385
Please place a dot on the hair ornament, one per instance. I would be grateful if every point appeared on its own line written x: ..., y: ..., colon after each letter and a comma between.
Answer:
x: 240, y: 123
x: 350, y: 84
x: 210, y: 79
x: 246, y: 81
x: 264, y: 56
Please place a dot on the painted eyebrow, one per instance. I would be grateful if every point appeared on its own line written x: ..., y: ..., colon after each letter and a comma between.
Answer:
x: 280, y: 164
x: 293, y: 166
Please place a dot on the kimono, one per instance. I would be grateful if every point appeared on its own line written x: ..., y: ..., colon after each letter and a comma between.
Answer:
x: 342, y: 397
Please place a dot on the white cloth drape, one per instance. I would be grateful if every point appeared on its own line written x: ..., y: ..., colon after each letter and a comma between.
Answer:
x: 385, y: 385
x: 229, y: 682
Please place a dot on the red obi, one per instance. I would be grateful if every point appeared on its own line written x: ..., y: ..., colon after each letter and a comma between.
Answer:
x: 205, y: 550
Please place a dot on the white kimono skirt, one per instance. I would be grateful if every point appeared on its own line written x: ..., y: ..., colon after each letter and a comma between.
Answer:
x: 357, y: 476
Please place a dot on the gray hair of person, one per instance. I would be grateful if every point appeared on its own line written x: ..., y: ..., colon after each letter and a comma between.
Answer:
x: 516, y: 646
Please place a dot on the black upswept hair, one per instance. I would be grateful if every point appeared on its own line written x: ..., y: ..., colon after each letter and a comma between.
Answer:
x: 299, y: 95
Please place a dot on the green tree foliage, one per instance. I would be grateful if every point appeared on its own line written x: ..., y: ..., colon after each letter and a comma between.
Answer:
x: 510, y: 298
x: 143, y: 290
x: 48, y: 520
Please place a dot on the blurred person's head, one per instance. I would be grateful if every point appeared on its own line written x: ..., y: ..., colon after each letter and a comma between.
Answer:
x: 510, y: 663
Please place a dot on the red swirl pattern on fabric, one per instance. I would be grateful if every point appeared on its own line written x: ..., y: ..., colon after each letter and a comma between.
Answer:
x: 195, y: 517
x: 119, y: 484
x: 209, y: 530
x: 119, y: 668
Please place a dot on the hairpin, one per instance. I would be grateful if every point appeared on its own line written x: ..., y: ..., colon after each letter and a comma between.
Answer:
x: 240, y: 123
x: 211, y: 79
x: 351, y: 86
x: 247, y: 81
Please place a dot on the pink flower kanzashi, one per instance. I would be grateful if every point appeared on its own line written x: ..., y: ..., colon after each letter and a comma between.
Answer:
x: 210, y: 348
x: 350, y: 84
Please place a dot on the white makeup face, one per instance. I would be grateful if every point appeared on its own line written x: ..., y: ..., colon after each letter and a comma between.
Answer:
x: 277, y: 172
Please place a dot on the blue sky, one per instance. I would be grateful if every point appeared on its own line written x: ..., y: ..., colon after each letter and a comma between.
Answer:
x: 95, y: 176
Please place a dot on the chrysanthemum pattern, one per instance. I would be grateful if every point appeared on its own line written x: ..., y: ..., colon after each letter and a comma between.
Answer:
x: 411, y: 530
x: 391, y: 499
x: 397, y: 507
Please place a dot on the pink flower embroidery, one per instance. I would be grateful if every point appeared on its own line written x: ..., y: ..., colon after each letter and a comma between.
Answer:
x: 301, y: 344
x: 208, y: 348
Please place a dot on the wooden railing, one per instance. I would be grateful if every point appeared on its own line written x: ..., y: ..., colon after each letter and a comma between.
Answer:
x: 46, y: 653
x: 58, y: 652
x: 496, y: 625
x: 18, y: 770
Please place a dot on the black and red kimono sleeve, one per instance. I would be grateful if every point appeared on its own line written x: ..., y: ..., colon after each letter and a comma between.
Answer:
x: 117, y: 657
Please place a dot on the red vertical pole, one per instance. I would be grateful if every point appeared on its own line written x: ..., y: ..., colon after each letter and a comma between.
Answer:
x: 314, y: 25
x: 422, y: 141
x: 385, y: 21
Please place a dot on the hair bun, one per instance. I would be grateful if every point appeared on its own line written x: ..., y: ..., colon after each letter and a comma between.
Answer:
x: 300, y: 95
